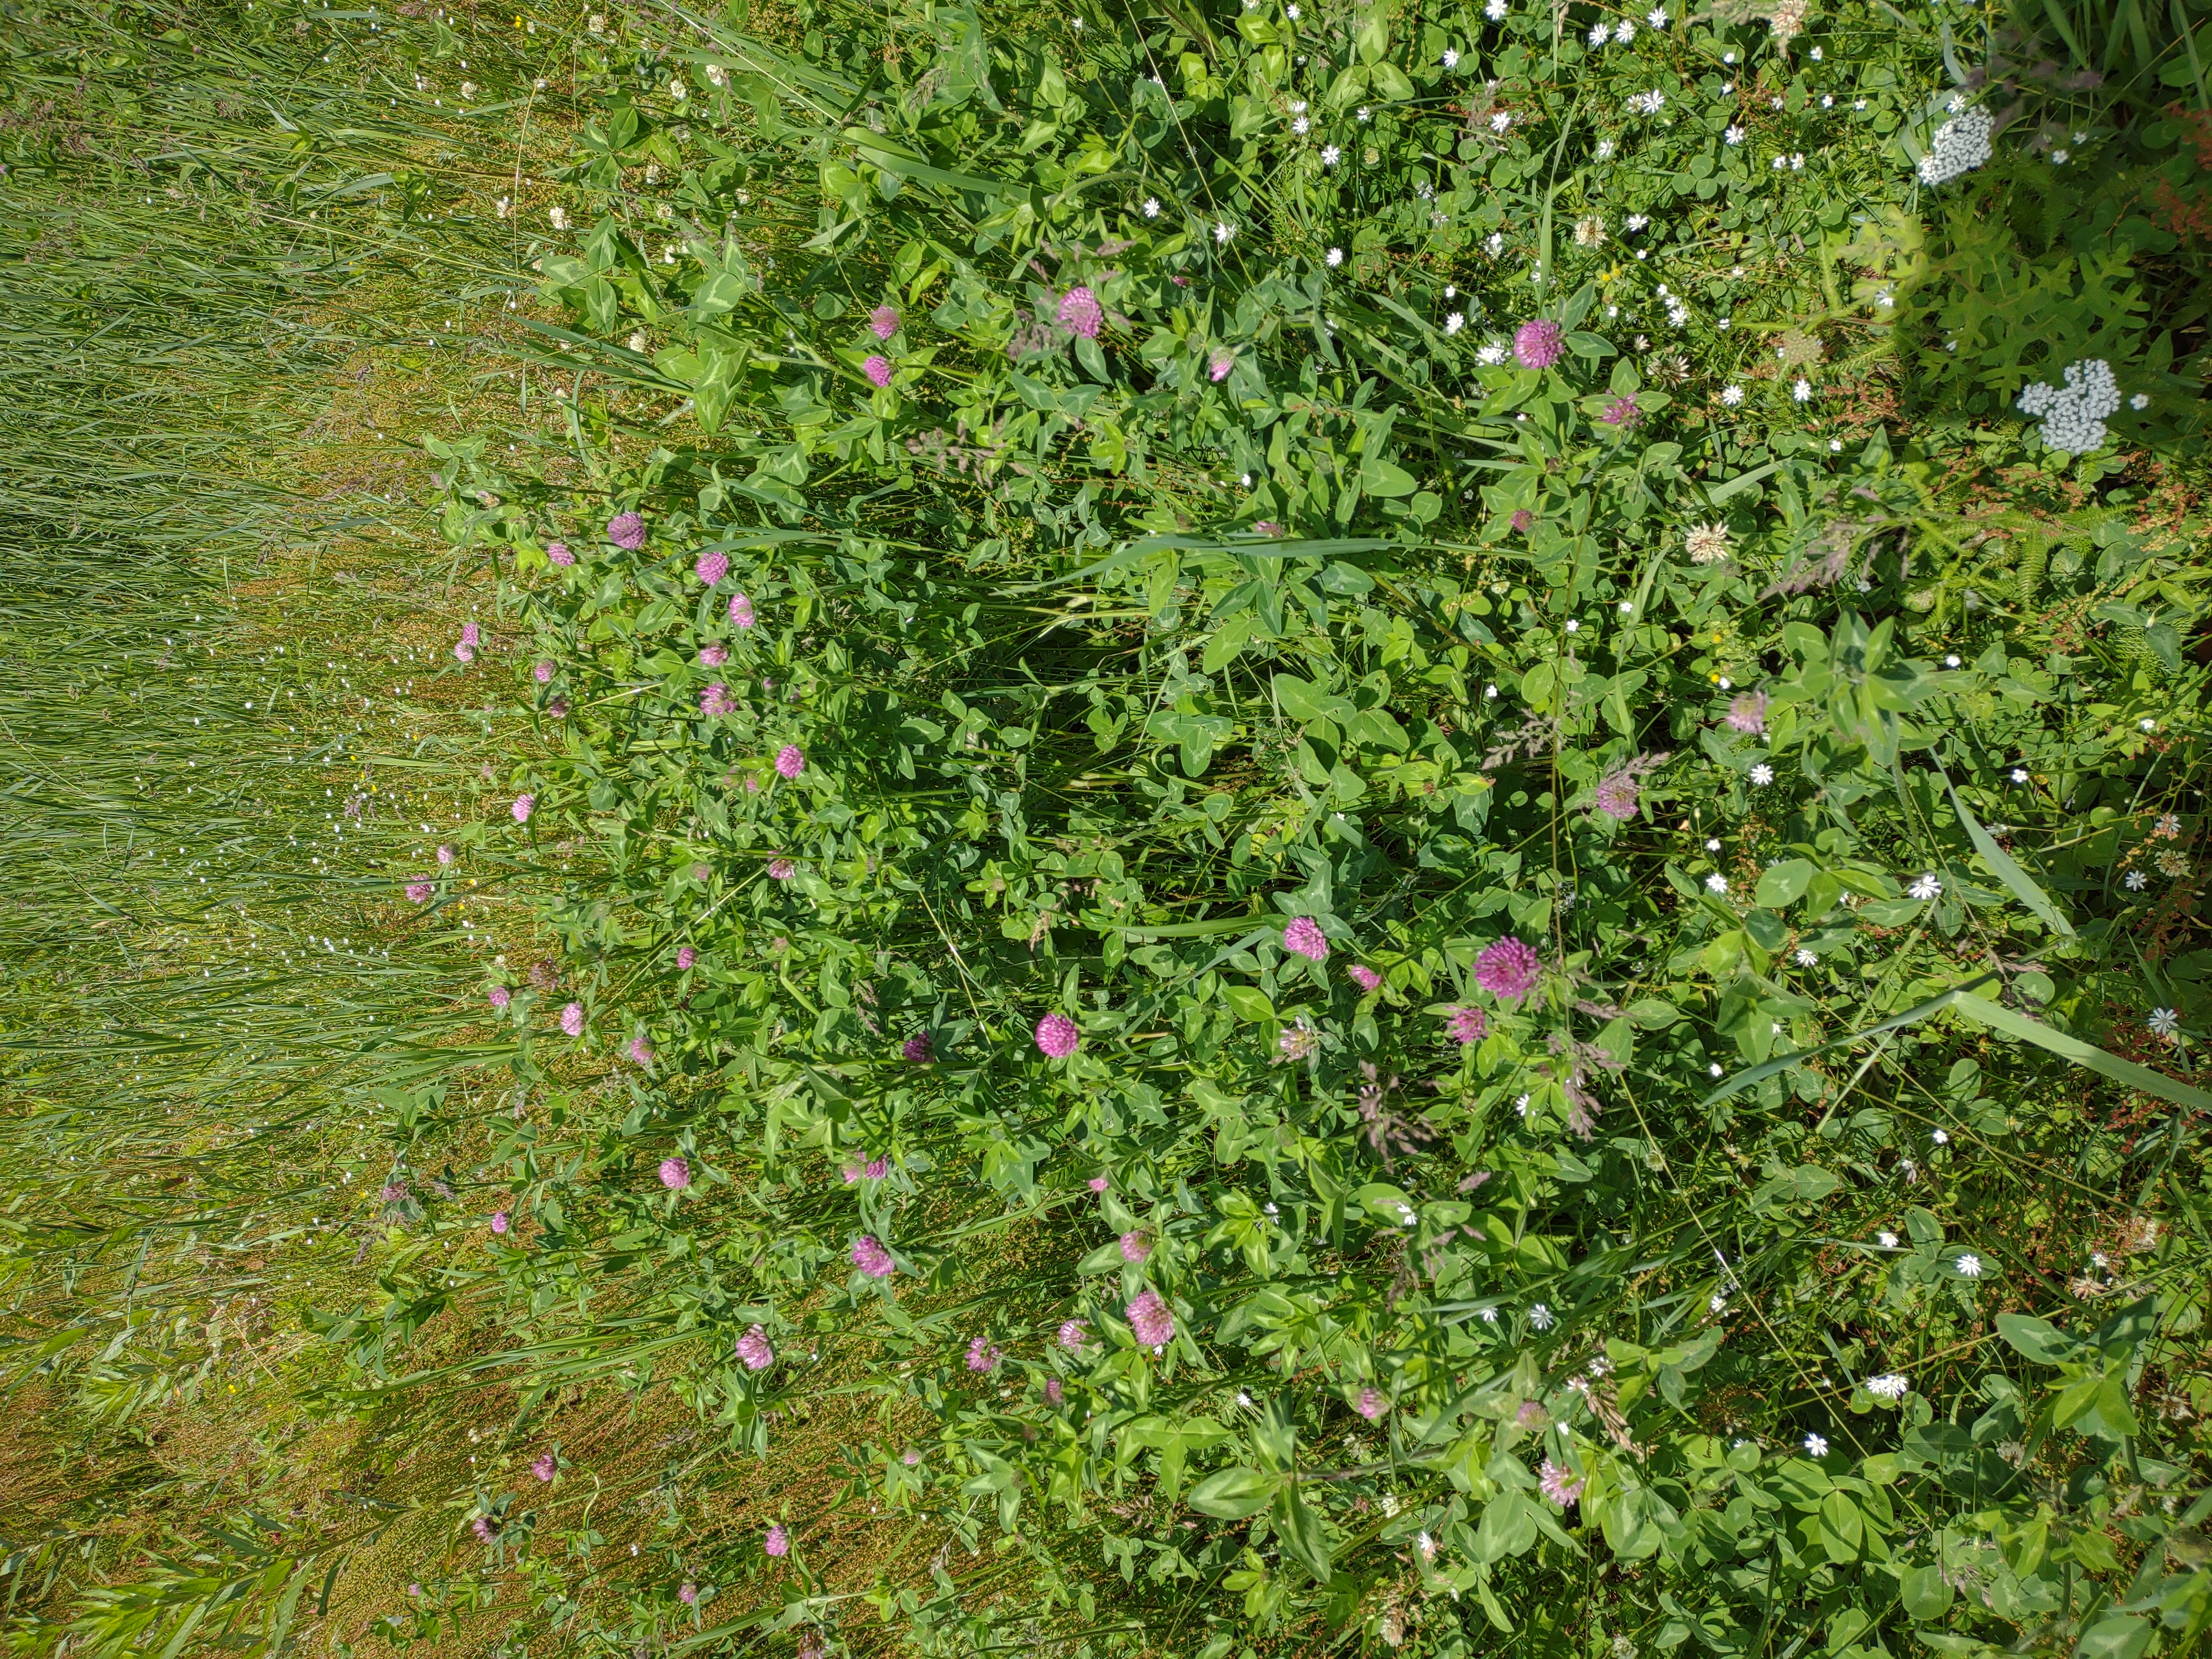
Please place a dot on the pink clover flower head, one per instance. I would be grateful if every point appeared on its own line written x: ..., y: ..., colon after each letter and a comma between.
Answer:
x: 557, y: 554
x: 790, y: 760
x: 1080, y: 313
x: 1537, y: 344
x: 917, y: 1048
x: 1303, y: 938
x: 1466, y: 1025
x: 675, y: 1173
x: 1135, y: 1248
x: 871, y: 1258
x: 741, y: 611
x: 712, y: 567
x: 714, y: 655
x: 523, y: 804
x: 1558, y: 1485
x: 1054, y: 1393
x: 543, y: 674
x: 1097, y: 1183
x: 1621, y: 413
x: 753, y: 1348
x: 444, y: 854
x: 685, y: 956
x: 983, y: 1355
x: 912, y: 1458
x: 1522, y: 520
x: 781, y: 869
x: 1617, y: 797
x: 571, y: 1019
x: 688, y: 1595
x: 878, y: 369
x: 1748, y: 713
x: 1056, y: 1036
x: 558, y: 708
x: 1267, y: 527
x: 1218, y: 370
x: 499, y: 996
x: 701, y: 873
x: 715, y: 703
x: 419, y: 891
x: 752, y: 786
x: 1297, y: 1042
x: 471, y: 635
x: 1152, y: 1320
x: 464, y: 651
x: 545, y: 1466
x: 641, y: 1051
x: 1531, y: 1415
x: 1371, y: 1405
x: 499, y: 1223
x: 1508, y: 969
x: 1072, y: 1333
x: 1365, y: 977
x: 877, y: 1168
x: 483, y: 1528
x: 627, y: 531
x: 884, y: 321
x: 778, y: 1543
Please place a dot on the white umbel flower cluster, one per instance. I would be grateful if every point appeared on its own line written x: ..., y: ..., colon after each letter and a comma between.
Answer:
x: 2074, y: 415
x: 1962, y: 143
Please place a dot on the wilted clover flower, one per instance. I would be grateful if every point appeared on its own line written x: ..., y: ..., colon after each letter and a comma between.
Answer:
x: 1748, y: 713
x: 1558, y: 1485
x: 545, y: 1466
x: 1706, y: 544
x: 1080, y: 313
x: 1297, y: 1042
x: 1537, y: 344
x: 1508, y: 969
x: 1151, y: 1320
x: 1303, y: 938
x: 627, y: 531
x: 1056, y: 1036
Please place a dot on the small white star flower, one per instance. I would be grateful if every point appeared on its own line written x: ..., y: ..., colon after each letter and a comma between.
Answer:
x: 1495, y: 11
x: 1762, y: 774
x: 1628, y: 607
x: 1223, y: 230
x: 2058, y: 158
x: 1802, y: 390
x: 1926, y: 888
x: 1541, y: 1317
x: 1599, y: 34
x: 1941, y: 1137
x: 1361, y: 113
x: 1573, y: 627
x: 1335, y: 257
x: 1816, y: 1445
x: 2141, y: 400
x: 2136, y: 881
x: 1495, y: 244
x: 1499, y: 122
x: 1656, y: 17
x: 1301, y: 126
x: 1713, y: 845
x: 1731, y: 395
x: 1490, y: 1315
x: 1733, y: 134
x: 1330, y: 155
x: 2164, y: 1022
x: 1717, y: 1301
x: 1451, y: 58
x: 1890, y: 1387
x: 2019, y: 775
x: 1805, y: 958
x: 1886, y: 1239
x: 1716, y: 883
x: 1625, y: 33
x: 1715, y: 1068
x: 1291, y: 12
x: 1152, y: 207
x: 1950, y: 662
x: 2148, y: 724
x: 1970, y: 1266
x: 1246, y: 481
x: 1605, y: 148
x: 1454, y: 323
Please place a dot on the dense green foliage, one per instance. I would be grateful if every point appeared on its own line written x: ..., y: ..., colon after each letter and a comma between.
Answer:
x: 1104, y: 567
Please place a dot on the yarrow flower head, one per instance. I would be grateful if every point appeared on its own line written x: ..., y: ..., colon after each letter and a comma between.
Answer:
x: 627, y: 531
x: 1465, y: 1025
x: 884, y: 321
x: 878, y: 369
x: 1303, y: 938
x: 1960, y: 145
x: 1056, y: 1036
x: 753, y: 1348
x: 873, y: 1260
x: 2074, y: 416
x: 712, y: 567
x: 1081, y: 314
x: 1508, y: 969
x: 675, y: 1173
x: 1538, y: 343
x: 1558, y: 1485
x: 790, y: 760
x: 1151, y: 1320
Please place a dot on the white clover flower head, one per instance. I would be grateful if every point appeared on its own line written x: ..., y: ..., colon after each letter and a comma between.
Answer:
x: 1716, y: 883
x: 1926, y: 888
x: 1335, y: 257
x: 1454, y: 323
x: 1960, y: 145
x: 1762, y: 774
x: 1970, y: 1266
x: 1491, y: 354
x: 1805, y: 958
x: 1891, y: 1386
x: 1816, y: 1445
